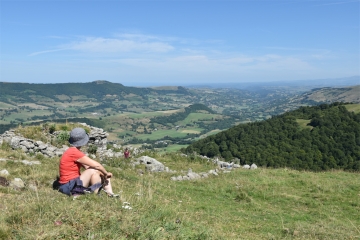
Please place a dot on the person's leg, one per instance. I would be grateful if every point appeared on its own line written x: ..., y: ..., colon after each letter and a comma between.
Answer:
x: 90, y: 177
x: 108, y: 187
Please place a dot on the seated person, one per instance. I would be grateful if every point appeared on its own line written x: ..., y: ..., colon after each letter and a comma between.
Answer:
x: 93, y: 178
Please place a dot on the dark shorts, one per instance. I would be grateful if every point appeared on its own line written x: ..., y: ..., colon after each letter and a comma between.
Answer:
x: 75, y: 187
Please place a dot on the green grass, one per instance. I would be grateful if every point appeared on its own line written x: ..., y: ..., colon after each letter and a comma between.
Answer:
x: 353, y: 108
x: 303, y: 123
x: 162, y: 133
x: 173, y: 148
x: 244, y: 204
x: 196, y: 116
x: 144, y: 115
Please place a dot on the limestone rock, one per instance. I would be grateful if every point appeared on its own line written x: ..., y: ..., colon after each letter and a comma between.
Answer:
x: 17, y: 184
x: 4, y: 172
x: 253, y: 166
x: 246, y: 166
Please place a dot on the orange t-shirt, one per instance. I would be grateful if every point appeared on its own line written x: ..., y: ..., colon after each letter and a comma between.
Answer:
x: 69, y: 168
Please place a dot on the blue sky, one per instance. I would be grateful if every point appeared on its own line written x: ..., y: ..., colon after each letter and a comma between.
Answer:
x: 147, y: 43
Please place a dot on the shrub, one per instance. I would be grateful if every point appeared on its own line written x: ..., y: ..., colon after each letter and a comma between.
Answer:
x: 52, y: 128
x: 39, y: 156
x: 64, y: 128
x: 62, y: 138
x: 92, y: 149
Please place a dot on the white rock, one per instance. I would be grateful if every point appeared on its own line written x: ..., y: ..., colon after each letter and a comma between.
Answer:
x: 17, y: 183
x: 4, y: 172
x: 253, y: 166
x: 246, y: 166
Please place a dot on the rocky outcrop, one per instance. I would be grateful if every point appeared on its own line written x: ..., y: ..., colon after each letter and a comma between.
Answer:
x: 16, y: 141
x: 97, y: 138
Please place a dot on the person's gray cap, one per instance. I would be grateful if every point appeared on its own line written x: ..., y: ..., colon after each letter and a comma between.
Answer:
x: 78, y: 137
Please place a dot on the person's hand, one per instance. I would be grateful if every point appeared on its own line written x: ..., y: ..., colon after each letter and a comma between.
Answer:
x: 108, y: 175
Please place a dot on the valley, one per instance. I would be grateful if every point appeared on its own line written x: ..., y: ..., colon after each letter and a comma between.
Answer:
x: 164, y: 118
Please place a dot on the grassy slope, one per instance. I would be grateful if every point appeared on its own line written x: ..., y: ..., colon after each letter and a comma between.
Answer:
x: 244, y: 204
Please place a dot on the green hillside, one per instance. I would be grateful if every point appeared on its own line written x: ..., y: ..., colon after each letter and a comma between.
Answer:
x: 314, y: 138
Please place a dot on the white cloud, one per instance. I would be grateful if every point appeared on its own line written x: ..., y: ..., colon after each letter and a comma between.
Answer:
x: 111, y: 45
x: 128, y: 43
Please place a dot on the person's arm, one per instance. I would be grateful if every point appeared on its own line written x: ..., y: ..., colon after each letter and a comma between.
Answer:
x: 86, y: 161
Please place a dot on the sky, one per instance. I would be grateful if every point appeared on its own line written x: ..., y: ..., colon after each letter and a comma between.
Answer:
x: 178, y: 42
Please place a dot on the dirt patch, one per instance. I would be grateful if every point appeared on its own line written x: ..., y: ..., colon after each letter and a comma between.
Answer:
x: 190, y: 131
x: 4, y: 182
x: 169, y: 111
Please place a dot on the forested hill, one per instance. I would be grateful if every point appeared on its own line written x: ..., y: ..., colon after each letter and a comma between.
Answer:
x: 311, y: 138
x: 96, y: 90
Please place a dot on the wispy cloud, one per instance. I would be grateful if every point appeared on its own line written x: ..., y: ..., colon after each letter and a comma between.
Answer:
x: 124, y: 43
x: 47, y: 51
x: 111, y: 45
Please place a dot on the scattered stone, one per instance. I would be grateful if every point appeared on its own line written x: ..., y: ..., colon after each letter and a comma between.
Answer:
x: 152, y: 164
x: 246, y: 166
x: 4, y: 172
x: 180, y: 178
x: 26, y: 162
x: 32, y: 187
x: 17, y: 184
x: 253, y: 166
x: 193, y: 176
x: 204, y: 175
